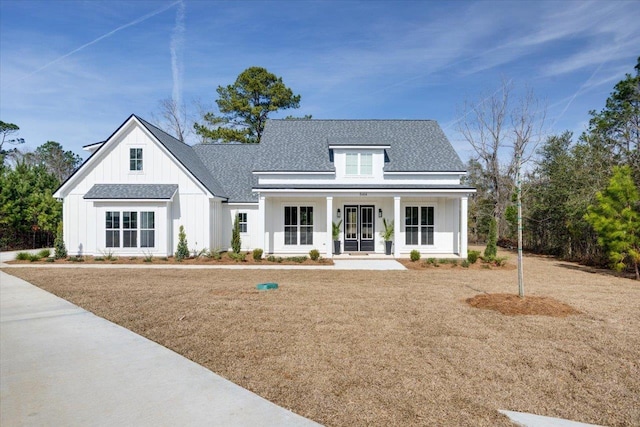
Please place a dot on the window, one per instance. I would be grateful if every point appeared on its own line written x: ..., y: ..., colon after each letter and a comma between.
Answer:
x: 135, y: 159
x: 290, y: 225
x: 130, y: 229
x: 112, y: 227
x: 133, y: 232
x: 419, y: 225
x: 352, y: 163
x: 242, y: 221
x: 147, y: 230
x: 298, y: 225
x: 359, y: 164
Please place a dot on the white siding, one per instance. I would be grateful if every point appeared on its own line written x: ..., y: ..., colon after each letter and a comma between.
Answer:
x: 84, y: 222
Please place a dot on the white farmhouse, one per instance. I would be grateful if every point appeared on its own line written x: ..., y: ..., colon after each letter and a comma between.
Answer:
x: 140, y: 185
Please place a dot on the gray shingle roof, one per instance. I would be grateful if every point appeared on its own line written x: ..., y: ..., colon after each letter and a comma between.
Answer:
x: 303, y: 145
x: 132, y: 191
x: 232, y: 165
x: 188, y: 157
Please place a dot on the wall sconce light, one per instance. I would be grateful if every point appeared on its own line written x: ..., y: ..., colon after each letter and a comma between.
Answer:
x: 379, y: 213
x: 338, y: 212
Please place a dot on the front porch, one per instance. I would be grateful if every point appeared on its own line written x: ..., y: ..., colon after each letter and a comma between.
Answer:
x: 433, y: 223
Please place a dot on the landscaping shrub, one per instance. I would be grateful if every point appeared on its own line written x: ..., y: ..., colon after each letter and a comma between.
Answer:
x: 44, y: 253
x: 491, y: 250
x: 98, y: 258
x: 298, y: 259
x: 465, y: 263
x: 472, y: 256
x: 415, y: 255
x: 257, y: 254
x: 314, y: 254
x: 148, y: 257
x: 23, y: 256
x: 272, y: 258
x: 453, y: 262
x: 76, y: 259
x: 432, y: 261
x: 49, y: 260
x: 236, y: 243
x: 59, y: 246
x: 34, y: 257
x: 238, y: 257
x: 182, y: 251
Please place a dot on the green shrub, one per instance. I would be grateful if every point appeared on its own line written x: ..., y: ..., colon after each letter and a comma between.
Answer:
x: 34, y: 257
x: 148, y: 257
x: 500, y: 261
x: 215, y: 254
x: 314, y: 254
x: 98, y: 258
x: 298, y: 259
x: 60, y: 248
x: 49, y: 260
x: 182, y: 251
x: 23, y: 256
x: 108, y: 255
x: 238, y: 257
x: 236, y: 243
x: 432, y: 261
x: 76, y: 259
x: 472, y: 256
x: 44, y: 253
x: 491, y: 250
x: 453, y: 262
x: 415, y: 255
x: 257, y: 254
x: 465, y: 263
x: 272, y: 258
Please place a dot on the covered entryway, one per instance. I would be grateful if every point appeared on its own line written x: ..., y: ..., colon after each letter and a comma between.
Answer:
x: 359, y: 228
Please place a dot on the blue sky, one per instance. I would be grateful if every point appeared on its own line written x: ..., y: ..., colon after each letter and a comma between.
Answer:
x: 73, y: 71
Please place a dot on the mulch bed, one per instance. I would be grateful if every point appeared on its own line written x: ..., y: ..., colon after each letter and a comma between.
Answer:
x: 224, y: 260
x: 513, y: 305
x: 423, y: 264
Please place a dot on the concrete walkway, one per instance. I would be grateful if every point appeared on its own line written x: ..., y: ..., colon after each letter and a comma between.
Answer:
x: 531, y: 420
x: 61, y: 365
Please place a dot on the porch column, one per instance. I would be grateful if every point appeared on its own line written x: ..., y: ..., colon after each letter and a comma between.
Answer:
x: 396, y: 226
x: 329, y: 238
x: 463, y: 227
x: 262, y: 215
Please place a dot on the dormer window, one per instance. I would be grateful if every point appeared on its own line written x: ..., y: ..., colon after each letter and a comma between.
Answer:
x: 359, y: 164
x: 135, y: 159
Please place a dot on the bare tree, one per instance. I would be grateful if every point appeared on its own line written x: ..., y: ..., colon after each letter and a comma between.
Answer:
x: 173, y: 119
x: 504, y: 134
x: 483, y: 125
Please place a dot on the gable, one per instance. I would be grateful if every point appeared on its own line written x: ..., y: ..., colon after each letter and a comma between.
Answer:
x: 110, y: 164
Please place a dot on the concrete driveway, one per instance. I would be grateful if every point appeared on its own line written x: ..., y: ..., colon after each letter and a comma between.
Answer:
x: 61, y: 365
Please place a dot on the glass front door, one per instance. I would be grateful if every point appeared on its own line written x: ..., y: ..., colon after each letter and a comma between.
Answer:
x: 359, y: 228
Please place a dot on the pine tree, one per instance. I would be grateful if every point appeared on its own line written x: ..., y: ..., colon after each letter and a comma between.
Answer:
x: 236, y: 243
x: 616, y: 219
x: 182, y: 251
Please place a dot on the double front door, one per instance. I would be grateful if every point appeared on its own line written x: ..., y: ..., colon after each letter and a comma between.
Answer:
x: 359, y: 228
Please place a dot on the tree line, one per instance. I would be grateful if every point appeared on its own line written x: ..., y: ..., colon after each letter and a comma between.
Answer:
x: 29, y: 215
x: 580, y: 195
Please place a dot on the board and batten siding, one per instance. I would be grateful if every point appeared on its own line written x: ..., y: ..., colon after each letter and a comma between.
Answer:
x: 85, y: 223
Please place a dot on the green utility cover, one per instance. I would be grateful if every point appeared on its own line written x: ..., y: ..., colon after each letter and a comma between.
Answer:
x: 267, y: 286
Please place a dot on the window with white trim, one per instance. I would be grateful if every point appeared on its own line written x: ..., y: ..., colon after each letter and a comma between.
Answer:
x: 147, y: 229
x: 359, y: 164
x: 298, y: 225
x: 242, y: 221
x: 112, y: 226
x: 129, y: 229
x: 130, y: 233
x: 419, y: 228
x: 135, y: 159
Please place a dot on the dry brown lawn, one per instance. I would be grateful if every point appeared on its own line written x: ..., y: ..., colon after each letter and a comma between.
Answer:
x: 388, y: 348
